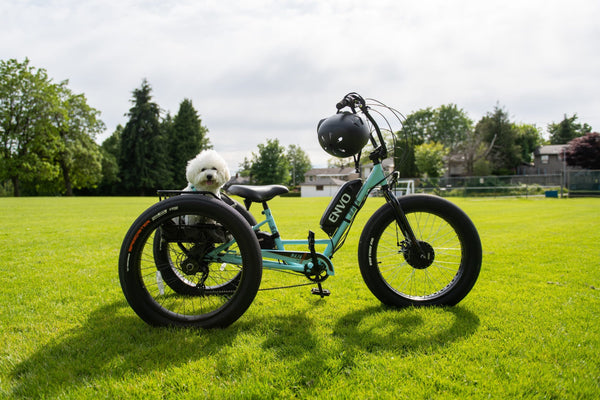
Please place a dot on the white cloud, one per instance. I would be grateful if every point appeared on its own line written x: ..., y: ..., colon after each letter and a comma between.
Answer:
x: 268, y: 69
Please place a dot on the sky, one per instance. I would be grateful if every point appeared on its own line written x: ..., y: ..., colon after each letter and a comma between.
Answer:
x: 271, y: 69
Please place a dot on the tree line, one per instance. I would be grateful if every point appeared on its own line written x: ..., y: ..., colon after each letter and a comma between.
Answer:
x: 148, y: 153
x: 47, y: 136
x: 431, y: 140
x: 47, y: 142
x: 274, y: 164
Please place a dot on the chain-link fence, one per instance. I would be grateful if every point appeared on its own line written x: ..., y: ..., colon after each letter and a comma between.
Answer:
x: 573, y: 183
x: 583, y: 182
x: 509, y: 185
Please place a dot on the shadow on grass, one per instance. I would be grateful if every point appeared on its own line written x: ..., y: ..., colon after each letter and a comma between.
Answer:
x: 381, y: 328
x: 112, y: 343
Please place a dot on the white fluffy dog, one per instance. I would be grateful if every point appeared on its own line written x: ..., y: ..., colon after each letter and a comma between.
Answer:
x: 207, y: 172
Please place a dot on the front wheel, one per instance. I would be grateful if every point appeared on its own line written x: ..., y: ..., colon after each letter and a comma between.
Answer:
x: 440, y: 270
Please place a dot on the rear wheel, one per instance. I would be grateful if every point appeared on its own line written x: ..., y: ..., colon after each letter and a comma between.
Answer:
x: 190, y: 261
x: 171, y: 257
x: 440, y: 270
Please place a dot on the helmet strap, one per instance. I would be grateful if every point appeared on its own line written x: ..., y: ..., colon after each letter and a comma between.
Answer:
x: 357, y: 162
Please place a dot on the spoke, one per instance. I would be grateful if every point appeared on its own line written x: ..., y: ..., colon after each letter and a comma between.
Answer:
x: 421, y: 283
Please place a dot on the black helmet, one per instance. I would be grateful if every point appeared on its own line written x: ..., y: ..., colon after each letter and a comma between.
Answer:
x: 343, y: 134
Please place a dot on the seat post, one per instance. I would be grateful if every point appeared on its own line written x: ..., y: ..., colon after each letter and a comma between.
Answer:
x: 272, y: 226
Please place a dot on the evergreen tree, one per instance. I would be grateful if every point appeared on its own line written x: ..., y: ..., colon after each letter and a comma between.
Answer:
x: 166, y: 131
x: 501, y: 135
x: 143, y: 157
x: 187, y: 137
x: 567, y: 130
x: 111, y: 150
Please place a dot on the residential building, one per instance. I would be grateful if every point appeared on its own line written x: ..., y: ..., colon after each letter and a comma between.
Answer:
x: 324, y: 182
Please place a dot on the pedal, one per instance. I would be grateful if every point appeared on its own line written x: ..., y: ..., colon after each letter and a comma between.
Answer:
x: 319, y: 291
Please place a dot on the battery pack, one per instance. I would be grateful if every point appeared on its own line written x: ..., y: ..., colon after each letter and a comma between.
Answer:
x: 339, y: 206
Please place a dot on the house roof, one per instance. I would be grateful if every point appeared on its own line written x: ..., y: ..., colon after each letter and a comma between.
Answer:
x: 325, y: 181
x: 329, y: 171
x: 550, y: 149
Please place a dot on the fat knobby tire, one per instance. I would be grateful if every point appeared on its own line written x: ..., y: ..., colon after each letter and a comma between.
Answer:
x: 144, y: 286
x: 443, y: 230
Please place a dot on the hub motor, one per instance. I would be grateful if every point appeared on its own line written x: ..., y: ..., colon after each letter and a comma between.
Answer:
x: 419, y: 258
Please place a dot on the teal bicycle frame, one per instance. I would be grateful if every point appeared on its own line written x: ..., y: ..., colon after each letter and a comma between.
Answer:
x: 302, y: 262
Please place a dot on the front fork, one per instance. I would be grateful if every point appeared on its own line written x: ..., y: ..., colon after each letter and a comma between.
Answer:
x: 401, y: 219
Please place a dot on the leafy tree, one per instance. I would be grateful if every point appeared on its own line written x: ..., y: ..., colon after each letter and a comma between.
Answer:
x: 299, y: 163
x: 187, y: 137
x: 528, y: 139
x: 245, y: 167
x: 420, y: 125
x: 496, y: 129
x: 79, y: 157
x: 481, y: 167
x: 336, y: 162
x: 451, y: 127
x: 143, y: 157
x: 270, y: 165
x: 584, y: 151
x: 474, y: 151
x: 447, y: 125
x: 567, y: 130
x: 28, y: 139
x: 429, y: 158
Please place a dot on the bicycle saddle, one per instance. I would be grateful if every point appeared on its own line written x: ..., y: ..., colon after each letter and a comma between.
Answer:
x: 257, y: 194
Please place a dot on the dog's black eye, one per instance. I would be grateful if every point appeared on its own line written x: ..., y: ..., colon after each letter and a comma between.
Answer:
x: 203, y: 169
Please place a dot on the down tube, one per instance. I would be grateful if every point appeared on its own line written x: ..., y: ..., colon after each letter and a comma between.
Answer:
x: 375, y: 178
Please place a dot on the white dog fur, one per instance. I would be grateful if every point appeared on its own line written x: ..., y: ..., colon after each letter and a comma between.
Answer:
x: 207, y: 172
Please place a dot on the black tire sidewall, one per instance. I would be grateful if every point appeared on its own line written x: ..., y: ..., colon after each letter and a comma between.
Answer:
x: 460, y: 222
x: 141, y: 301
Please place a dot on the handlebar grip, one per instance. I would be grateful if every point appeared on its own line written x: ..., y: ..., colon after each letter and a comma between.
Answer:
x: 345, y: 102
x: 350, y: 100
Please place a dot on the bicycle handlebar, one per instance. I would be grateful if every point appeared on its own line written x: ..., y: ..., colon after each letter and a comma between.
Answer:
x: 354, y: 100
x: 351, y: 100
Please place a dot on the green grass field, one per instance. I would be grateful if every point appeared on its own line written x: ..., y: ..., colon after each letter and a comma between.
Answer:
x: 529, y: 329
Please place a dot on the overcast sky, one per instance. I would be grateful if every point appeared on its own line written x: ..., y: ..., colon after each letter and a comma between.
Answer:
x: 258, y: 70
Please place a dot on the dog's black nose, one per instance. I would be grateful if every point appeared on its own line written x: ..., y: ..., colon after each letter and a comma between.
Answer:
x: 209, y: 177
